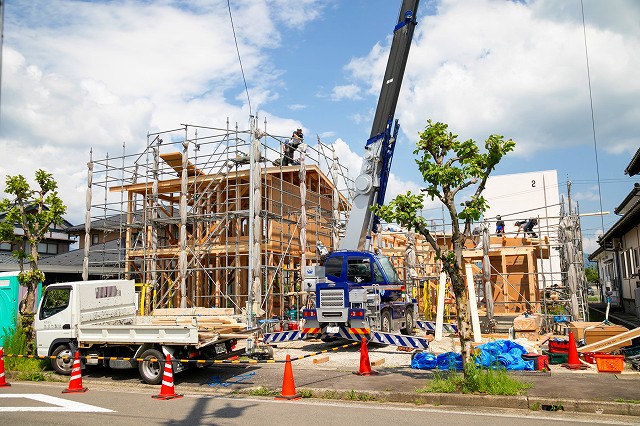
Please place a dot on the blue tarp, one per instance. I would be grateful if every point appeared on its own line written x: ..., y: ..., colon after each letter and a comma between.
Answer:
x: 424, y: 361
x: 445, y: 361
x: 501, y: 353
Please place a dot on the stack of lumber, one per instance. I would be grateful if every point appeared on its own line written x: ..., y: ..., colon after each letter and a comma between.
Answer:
x: 210, y: 321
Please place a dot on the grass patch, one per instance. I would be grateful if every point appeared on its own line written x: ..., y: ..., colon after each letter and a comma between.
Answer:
x: 358, y: 396
x: 15, y: 343
x: 351, y: 395
x: 262, y: 391
x: 629, y: 401
x: 330, y: 394
x: 306, y: 393
x: 476, y: 380
x: 536, y: 406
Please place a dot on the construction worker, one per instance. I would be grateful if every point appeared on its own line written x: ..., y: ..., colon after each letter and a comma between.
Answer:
x: 499, y: 225
x: 527, y: 227
x: 290, y: 146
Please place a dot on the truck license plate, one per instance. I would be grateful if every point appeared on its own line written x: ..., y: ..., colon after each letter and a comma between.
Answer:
x: 333, y: 330
x: 220, y: 349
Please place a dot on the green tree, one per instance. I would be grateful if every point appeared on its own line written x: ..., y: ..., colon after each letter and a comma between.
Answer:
x: 449, y: 166
x: 34, y: 211
x: 592, y: 274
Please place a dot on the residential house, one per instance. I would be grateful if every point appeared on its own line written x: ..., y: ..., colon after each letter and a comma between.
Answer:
x: 618, y: 256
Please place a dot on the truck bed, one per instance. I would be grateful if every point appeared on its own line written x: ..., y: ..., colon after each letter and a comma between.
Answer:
x: 198, y: 327
x: 140, y: 334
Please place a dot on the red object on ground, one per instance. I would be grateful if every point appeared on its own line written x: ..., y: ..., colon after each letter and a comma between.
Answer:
x: 573, y: 362
x: 609, y: 363
x: 558, y: 346
x: 3, y: 381
x: 75, y: 382
x: 590, y: 357
x: 365, y: 364
x: 542, y: 363
x: 288, y: 385
x: 167, y: 390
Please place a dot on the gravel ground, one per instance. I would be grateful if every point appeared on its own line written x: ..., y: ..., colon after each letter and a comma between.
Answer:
x: 348, y: 359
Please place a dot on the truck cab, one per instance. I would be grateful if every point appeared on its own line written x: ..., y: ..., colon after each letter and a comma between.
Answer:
x: 360, y: 289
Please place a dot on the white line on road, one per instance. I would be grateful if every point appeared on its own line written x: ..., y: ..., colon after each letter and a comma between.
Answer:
x: 61, y: 405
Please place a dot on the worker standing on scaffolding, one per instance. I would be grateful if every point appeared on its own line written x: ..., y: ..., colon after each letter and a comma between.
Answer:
x: 499, y: 225
x: 290, y: 147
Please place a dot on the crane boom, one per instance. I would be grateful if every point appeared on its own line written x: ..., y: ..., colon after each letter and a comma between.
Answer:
x: 371, y: 183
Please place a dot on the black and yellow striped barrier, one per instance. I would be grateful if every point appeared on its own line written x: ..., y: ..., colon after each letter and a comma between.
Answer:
x: 193, y: 361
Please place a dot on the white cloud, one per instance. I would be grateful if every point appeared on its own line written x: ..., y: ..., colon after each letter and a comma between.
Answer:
x: 83, y: 75
x: 519, y: 69
x: 297, y: 107
x: 591, y: 194
x: 348, y: 91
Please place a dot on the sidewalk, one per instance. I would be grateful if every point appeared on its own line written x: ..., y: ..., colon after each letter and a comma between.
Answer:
x: 589, y: 392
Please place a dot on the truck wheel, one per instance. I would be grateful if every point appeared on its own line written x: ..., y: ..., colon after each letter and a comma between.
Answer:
x: 408, y: 326
x: 151, y: 371
x: 385, y: 322
x: 62, y: 365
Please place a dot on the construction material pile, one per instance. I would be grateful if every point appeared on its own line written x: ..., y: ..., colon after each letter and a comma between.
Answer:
x: 211, y: 322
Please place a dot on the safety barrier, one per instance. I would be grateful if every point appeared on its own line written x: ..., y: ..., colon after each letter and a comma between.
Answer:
x: 193, y: 361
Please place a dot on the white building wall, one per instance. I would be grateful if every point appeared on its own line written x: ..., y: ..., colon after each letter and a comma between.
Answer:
x: 521, y: 196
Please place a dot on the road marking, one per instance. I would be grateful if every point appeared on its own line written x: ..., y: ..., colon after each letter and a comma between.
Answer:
x: 61, y: 405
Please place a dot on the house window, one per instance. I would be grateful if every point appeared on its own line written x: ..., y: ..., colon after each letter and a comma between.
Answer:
x: 623, y: 264
x: 47, y: 248
x: 5, y: 247
x: 95, y: 239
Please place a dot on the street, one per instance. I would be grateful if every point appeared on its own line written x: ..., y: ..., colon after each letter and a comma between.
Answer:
x: 44, y: 404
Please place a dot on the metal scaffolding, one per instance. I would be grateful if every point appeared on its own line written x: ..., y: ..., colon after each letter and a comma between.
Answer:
x: 208, y: 216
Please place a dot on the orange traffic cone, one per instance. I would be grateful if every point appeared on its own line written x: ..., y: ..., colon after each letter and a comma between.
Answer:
x: 75, y: 383
x: 573, y: 361
x: 288, y: 385
x: 365, y: 365
x: 167, y: 390
x: 3, y: 382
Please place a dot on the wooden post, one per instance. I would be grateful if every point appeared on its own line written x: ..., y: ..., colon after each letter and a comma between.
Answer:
x: 473, y: 305
x: 440, y: 309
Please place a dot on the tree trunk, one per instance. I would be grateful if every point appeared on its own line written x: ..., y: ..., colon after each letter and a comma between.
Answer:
x: 32, y: 278
x: 454, y: 271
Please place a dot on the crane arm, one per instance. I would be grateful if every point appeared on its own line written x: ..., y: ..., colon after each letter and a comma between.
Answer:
x: 371, y: 183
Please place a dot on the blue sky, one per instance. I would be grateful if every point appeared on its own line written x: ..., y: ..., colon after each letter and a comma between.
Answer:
x: 80, y: 74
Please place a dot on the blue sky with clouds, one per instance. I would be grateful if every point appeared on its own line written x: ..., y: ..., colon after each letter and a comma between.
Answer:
x: 93, y: 74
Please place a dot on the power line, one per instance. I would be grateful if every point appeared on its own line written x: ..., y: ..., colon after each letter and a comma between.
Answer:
x: 239, y: 59
x: 593, y: 121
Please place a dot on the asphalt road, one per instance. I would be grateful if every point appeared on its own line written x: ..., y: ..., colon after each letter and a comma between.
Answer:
x: 44, y: 404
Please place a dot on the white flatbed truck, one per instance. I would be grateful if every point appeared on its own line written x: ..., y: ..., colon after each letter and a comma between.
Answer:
x: 98, y: 318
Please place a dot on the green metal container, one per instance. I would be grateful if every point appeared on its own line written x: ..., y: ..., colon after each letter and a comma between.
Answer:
x: 557, y: 357
x: 11, y: 293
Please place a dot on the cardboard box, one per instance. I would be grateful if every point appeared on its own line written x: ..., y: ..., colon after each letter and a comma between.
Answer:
x: 601, y: 332
x: 525, y: 323
x: 529, y: 335
x: 577, y: 328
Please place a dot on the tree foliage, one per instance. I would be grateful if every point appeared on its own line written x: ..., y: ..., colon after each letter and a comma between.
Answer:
x: 592, y: 274
x: 34, y: 211
x: 449, y: 166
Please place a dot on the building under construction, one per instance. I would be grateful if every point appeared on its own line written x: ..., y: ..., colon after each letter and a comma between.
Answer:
x: 210, y: 217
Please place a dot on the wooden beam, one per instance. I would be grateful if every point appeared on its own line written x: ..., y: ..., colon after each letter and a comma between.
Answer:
x: 611, y: 341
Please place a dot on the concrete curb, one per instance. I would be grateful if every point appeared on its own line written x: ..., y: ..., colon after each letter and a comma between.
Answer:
x: 587, y: 406
x: 520, y: 402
